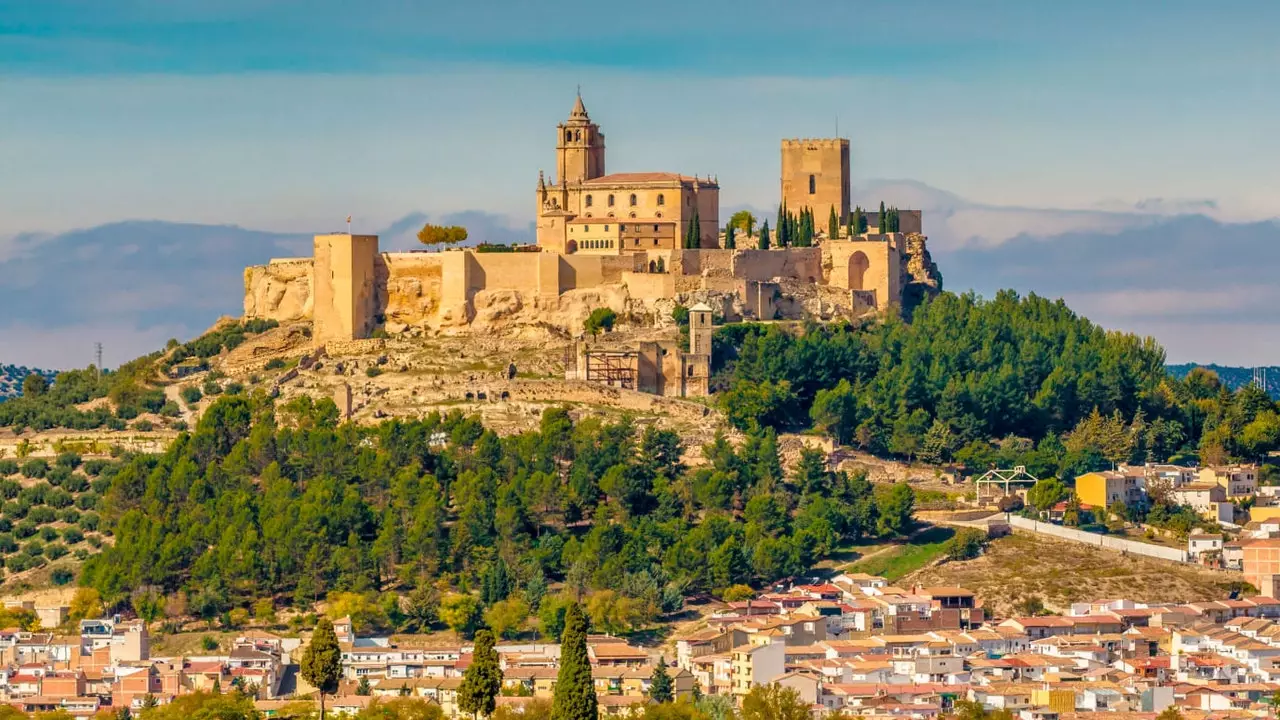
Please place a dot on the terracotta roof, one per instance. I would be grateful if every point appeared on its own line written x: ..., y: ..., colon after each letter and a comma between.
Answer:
x: 645, y: 177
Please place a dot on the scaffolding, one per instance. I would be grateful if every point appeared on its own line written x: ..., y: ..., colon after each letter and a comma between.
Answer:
x: 615, y: 368
x: 1001, y: 480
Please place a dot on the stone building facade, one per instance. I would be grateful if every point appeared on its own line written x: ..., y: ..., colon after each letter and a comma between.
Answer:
x: 584, y: 210
x: 816, y: 175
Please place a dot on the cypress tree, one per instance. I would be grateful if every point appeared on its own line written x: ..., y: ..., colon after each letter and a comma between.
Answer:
x: 322, y: 662
x: 729, y: 241
x: 782, y: 223
x: 483, y: 679
x: 764, y: 235
x: 833, y: 225
x: 855, y: 221
x: 660, y: 686
x: 575, y: 694
x: 694, y: 239
x: 881, y: 227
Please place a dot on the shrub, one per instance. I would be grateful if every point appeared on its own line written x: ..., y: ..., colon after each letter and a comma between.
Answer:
x: 17, y: 563
x: 76, y: 483
x: 72, y: 535
x: 191, y: 394
x: 275, y: 364
x: 35, y: 468
x: 89, y: 522
x: 211, y: 387
x: 9, y: 489
x: 170, y: 409
x: 966, y: 544
x: 69, y: 515
x: 600, y: 319
x: 8, y: 467
x: 24, y: 529
x: 7, y: 543
x: 33, y: 548
x: 58, y: 475
x: 62, y: 576
x: 41, y: 514
x: 101, y: 484
x: 94, y: 468
x: 373, y: 371
x: 208, y: 643
x: 68, y: 460
x: 49, y: 533
x: 144, y: 426
x: 87, y: 501
x: 16, y: 509
x: 53, y: 551
x: 94, y: 541
x: 58, y: 498
x: 5, y: 525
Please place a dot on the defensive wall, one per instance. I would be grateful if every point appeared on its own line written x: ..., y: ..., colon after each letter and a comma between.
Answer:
x: 1102, y: 541
x: 349, y: 288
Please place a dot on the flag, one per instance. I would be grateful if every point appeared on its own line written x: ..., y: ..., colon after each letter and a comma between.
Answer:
x: 348, y: 219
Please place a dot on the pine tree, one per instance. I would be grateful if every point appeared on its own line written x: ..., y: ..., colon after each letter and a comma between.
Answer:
x: 660, y: 685
x: 483, y: 679
x: 882, y: 227
x: 575, y: 694
x: 833, y: 225
x: 364, y: 689
x: 322, y: 662
x: 764, y: 235
x: 729, y: 241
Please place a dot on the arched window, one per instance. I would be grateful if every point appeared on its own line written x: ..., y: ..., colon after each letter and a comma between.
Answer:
x: 661, y: 200
x: 610, y: 202
x: 568, y: 135
x: 631, y: 215
x: 633, y: 199
x: 588, y: 201
x: 577, y: 135
x: 813, y: 185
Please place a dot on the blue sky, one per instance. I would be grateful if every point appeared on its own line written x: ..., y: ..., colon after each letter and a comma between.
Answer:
x: 280, y: 114
x: 1055, y: 130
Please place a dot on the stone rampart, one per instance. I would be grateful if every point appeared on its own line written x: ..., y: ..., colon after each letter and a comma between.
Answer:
x: 363, y: 346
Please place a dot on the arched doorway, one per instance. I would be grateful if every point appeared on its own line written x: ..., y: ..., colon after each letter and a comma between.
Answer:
x: 858, y: 264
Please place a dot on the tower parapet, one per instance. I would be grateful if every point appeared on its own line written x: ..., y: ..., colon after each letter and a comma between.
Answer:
x: 816, y: 175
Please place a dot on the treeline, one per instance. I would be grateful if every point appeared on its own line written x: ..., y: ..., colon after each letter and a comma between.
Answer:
x: 292, y: 507
x: 1008, y: 381
x: 130, y: 387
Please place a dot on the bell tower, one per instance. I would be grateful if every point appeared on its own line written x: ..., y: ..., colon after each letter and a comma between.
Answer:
x: 579, y: 147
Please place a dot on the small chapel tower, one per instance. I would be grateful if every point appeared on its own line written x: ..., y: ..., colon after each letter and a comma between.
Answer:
x: 579, y: 147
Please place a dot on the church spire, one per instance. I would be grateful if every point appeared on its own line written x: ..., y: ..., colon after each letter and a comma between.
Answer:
x: 579, y: 111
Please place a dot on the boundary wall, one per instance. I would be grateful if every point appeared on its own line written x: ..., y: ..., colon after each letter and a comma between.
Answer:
x: 1103, y: 541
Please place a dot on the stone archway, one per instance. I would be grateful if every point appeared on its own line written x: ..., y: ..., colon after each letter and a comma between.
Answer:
x: 858, y: 265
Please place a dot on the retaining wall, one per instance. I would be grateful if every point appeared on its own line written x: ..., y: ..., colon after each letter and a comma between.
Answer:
x: 1102, y: 541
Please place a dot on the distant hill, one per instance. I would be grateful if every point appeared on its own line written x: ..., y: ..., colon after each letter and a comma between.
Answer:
x: 1233, y: 377
x: 11, y: 377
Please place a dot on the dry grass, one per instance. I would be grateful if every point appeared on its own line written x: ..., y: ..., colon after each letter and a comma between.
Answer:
x: 1061, y: 572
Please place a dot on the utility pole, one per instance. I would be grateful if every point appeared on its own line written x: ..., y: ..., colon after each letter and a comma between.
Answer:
x: 97, y: 352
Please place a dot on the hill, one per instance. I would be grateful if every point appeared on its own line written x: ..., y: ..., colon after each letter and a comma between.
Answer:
x: 1018, y: 567
x: 11, y: 377
x: 1233, y: 377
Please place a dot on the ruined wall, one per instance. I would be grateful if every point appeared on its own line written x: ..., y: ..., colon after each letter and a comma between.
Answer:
x: 803, y: 264
x: 649, y: 286
x: 410, y: 289
x: 279, y: 290
x: 870, y: 266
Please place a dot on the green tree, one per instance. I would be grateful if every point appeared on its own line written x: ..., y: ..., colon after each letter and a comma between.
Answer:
x: 461, y: 612
x: 895, y: 503
x: 363, y: 688
x: 744, y: 221
x: 483, y: 678
x: 1046, y: 493
x: 661, y: 687
x: 833, y: 225
x: 34, y: 385
x: 600, y: 319
x: 322, y: 661
x: 857, y: 222
x: 441, y: 235
x: 506, y: 617
x: 835, y: 412
x: 729, y: 241
x: 773, y: 702
x: 882, y: 223
x: 764, y: 236
x: 575, y: 692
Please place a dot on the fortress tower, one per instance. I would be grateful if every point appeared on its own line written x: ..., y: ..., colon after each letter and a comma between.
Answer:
x: 815, y: 174
x: 579, y: 147
x: 343, y: 279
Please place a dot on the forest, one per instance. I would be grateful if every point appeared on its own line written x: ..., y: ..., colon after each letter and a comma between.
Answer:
x: 1013, y: 380
x: 286, y: 505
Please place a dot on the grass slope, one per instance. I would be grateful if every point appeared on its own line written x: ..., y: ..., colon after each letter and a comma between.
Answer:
x: 1061, y: 573
x: 899, y: 560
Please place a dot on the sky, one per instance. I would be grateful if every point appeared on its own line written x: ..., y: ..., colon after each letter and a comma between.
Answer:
x: 285, y: 116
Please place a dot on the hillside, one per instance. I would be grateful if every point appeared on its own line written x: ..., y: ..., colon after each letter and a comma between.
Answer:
x: 1233, y: 377
x: 11, y: 377
x: 1022, y: 566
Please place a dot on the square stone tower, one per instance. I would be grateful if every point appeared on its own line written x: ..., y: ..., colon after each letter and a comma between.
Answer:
x: 343, y: 288
x: 815, y: 174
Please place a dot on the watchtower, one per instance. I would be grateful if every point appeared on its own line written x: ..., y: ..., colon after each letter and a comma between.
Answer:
x: 700, y: 330
x: 815, y: 174
x: 579, y: 147
x: 343, y: 287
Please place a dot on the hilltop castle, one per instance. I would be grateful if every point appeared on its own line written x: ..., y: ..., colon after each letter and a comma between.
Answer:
x: 619, y: 240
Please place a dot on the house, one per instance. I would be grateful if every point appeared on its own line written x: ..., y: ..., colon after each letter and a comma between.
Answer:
x: 1204, y: 547
x: 1238, y: 481
x: 757, y: 665
x: 1207, y: 499
x: 1107, y: 487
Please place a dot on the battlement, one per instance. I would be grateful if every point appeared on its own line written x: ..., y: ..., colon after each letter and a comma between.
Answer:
x: 820, y: 142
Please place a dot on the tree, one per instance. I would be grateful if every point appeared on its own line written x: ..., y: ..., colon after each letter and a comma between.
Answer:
x: 1172, y: 712
x: 833, y: 225
x: 835, y: 412
x: 764, y: 236
x: 483, y: 678
x: 460, y: 612
x: 737, y: 593
x: 693, y: 234
x: 441, y: 235
x: 507, y: 616
x: 895, y: 504
x: 363, y: 688
x: 881, y: 224
x: 729, y: 241
x: 34, y: 385
x: 1047, y: 493
x: 575, y: 692
x: 661, y: 688
x: 773, y: 702
x: 85, y: 604
x: 322, y: 661
x: 744, y: 221
x: 600, y: 319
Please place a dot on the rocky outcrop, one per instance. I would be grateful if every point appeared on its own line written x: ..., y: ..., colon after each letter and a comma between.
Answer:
x: 279, y: 290
x: 921, y: 278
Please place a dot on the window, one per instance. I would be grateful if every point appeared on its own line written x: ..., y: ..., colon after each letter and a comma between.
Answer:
x: 606, y: 228
x: 568, y: 135
x: 655, y: 228
x: 633, y: 199
x: 690, y: 371
x: 812, y: 185
x: 588, y: 201
x: 661, y: 199
x: 586, y: 228
x: 622, y: 228
x: 610, y: 201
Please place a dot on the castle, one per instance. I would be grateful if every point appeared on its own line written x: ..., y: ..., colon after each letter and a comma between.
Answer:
x: 609, y: 240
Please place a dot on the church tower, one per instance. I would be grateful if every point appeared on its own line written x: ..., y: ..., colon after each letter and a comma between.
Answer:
x: 579, y: 147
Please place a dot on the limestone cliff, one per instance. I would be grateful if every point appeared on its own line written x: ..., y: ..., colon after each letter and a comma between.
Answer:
x: 920, y: 275
x: 280, y: 290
